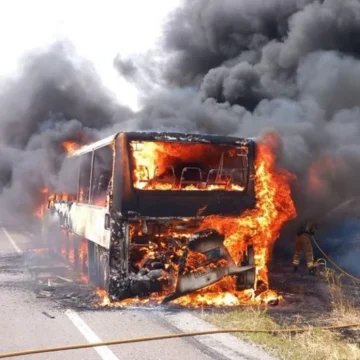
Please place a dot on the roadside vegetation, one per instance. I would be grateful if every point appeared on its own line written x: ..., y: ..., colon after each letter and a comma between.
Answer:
x: 310, y: 345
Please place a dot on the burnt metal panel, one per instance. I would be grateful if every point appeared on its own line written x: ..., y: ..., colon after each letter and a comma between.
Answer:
x: 188, y: 203
x: 187, y: 138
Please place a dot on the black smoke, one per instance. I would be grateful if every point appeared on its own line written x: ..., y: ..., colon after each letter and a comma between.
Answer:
x: 55, y: 96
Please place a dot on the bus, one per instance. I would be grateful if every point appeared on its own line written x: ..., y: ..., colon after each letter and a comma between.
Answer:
x: 131, y: 217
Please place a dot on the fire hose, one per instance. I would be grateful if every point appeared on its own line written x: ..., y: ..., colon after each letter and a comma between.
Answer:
x: 171, y: 336
x: 326, y: 216
x: 333, y: 262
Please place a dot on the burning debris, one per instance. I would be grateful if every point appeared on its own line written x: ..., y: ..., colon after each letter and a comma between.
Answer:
x: 206, y: 261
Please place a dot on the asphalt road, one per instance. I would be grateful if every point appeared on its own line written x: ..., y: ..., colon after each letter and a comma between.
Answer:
x: 24, y: 324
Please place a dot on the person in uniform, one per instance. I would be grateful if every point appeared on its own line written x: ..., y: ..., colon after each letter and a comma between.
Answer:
x: 303, y: 244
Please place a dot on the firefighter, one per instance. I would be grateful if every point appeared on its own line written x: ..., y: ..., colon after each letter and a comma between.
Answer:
x: 303, y: 244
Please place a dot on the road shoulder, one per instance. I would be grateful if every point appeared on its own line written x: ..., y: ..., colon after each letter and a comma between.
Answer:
x: 226, y: 345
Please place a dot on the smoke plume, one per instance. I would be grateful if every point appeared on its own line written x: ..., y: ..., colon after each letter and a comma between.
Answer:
x: 56, y: 96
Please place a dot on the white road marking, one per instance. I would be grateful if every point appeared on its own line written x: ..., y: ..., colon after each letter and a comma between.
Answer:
x: 225, y: 344
x: 29, y: 233
x: 64, y: 278
x: 104, y: 352
x: 12, y: 241
x: 231, y: 347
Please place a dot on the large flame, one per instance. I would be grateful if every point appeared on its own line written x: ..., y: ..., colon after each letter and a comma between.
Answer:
x: 155, y: 166
x: 260, y: 226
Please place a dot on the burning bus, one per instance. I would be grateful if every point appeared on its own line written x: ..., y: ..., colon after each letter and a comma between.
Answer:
x: 137, y: 220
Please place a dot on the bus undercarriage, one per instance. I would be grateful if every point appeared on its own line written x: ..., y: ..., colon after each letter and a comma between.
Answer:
x: 171, y: 257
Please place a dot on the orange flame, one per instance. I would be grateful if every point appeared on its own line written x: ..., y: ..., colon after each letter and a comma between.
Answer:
x: 155, y: 163
x: 321, y: 171
x: 70, y: 147
x: 260, y: 226
x: 39, y: 212
x: 84, y: 261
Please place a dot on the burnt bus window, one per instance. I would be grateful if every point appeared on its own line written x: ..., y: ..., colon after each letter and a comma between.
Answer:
x: 189, y: 166
x: 68, y: 177
x: 84, y: 178
x: 102, y: 173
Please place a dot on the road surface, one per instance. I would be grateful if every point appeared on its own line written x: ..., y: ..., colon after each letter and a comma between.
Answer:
x: 29, y: 322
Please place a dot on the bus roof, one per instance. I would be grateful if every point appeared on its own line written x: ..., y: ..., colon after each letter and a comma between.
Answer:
x: 95, y: 145
x: 163, y: 136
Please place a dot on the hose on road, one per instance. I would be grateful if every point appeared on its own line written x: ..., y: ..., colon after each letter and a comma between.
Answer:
x: 333, y: 262
x: 171, y: 336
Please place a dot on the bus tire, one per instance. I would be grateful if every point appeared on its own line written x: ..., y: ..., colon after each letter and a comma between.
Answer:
x: 104, y: 272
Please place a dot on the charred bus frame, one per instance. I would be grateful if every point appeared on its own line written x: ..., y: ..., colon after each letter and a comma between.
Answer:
x: 132, y: 218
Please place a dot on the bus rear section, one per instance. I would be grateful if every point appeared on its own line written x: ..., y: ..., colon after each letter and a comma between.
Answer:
x: 139, y: 207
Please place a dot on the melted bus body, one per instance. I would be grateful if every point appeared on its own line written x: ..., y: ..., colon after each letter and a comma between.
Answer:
x: 136, y: 207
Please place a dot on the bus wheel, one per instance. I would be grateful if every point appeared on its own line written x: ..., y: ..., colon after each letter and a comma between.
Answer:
x: 101, y: 271
x: 92, y: 263
x: 104, y: 272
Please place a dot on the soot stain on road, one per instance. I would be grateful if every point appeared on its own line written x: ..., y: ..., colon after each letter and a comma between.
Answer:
x: 55, y: 280
x: 10, y: 264
x: 13, y: 274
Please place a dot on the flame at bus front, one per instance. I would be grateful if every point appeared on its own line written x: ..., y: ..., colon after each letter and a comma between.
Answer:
x: 260, y: 227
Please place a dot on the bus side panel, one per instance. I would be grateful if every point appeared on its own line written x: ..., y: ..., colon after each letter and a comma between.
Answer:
x: 89, y: 222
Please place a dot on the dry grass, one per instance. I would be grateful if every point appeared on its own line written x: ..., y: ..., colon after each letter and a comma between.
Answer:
x: 314, y: 344
x: 345, y: 309
x: 340, y: 301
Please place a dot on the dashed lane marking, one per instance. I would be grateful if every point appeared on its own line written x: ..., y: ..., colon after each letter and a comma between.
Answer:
x: 104, y: 352
x: 12, y: 241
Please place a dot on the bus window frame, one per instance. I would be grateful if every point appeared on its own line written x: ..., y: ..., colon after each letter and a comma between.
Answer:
x: 131, y: 168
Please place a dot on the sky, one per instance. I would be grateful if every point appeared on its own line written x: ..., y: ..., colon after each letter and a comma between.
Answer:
x: 99, y: 29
